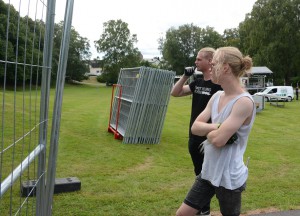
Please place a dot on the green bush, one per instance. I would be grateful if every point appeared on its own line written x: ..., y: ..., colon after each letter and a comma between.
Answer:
x: 295, y: 81
x: 101, y: 79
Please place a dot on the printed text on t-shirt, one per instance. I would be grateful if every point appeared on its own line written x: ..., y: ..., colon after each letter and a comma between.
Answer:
x: 202, y: 90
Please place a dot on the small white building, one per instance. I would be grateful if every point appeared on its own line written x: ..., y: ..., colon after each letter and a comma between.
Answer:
x: 95, y: 69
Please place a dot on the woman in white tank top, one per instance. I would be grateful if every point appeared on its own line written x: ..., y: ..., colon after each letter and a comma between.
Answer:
x: 232, y: 112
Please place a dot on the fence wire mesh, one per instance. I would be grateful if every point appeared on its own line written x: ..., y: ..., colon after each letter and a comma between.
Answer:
x: 21, y: 66
x: 26, y: 34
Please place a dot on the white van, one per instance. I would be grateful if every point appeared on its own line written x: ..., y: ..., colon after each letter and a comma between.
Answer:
x: 285, y: 93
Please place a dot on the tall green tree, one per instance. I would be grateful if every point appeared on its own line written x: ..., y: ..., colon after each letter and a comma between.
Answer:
x: 231, y: 37
x: 78, y: 55
x: 24, y: 46
x: 21, y: 44
x: 118, y: 46
x: 180, y: 46
x: 271, y: 35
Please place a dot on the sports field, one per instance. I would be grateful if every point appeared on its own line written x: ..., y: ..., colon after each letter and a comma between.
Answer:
x: 153, y: 179
x: 140, y: 179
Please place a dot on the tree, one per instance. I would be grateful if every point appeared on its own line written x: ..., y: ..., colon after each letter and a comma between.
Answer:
x: 180, y: 46
x: 78, y: 55
x: 271, y: 35
x: 22, y: 45
x: 231, y: 37
x: 117, y: 44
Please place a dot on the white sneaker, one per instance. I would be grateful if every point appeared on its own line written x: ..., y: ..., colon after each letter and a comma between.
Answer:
x: 207, y: 213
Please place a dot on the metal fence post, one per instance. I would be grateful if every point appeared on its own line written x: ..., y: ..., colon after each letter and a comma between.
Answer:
x: 44, y: 104
x: 62, y: 65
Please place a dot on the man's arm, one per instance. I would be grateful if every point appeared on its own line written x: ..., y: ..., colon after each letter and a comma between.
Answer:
x: 180, y: 89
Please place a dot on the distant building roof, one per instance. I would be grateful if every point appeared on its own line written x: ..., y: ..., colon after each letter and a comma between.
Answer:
x: 155, y: 60
x: 95, y: 64
x: 260, y: 70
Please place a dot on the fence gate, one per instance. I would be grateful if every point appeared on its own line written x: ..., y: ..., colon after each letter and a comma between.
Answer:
x: 26, y: 44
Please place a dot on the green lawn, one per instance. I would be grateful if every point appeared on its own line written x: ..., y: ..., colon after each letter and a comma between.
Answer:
x: 145, y: 180
x: 140, y: 179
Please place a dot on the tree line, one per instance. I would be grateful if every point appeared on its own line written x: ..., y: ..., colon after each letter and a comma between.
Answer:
x: 270, y: 34
x: 21, y: 47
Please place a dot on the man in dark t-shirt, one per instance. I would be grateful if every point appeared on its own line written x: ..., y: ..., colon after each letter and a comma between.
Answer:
x: 202, y: 89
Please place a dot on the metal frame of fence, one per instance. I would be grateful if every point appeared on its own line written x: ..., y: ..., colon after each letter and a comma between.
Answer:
x: 25, y: 110
x: 139, y: 104
x: 113, y: 126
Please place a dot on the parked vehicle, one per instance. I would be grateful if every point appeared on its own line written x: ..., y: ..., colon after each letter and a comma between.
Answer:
x: 285, y: 93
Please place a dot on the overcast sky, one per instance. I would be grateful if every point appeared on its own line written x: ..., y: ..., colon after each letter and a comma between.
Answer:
x: 150, y: 20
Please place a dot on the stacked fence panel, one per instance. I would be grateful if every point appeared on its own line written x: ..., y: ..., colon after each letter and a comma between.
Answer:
x: 139, y: 113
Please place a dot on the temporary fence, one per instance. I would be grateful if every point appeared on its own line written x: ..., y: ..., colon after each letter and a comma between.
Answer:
x: 26, y: 44
x: 139, y: 104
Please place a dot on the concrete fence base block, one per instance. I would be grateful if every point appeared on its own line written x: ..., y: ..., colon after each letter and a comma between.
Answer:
x: 68, y: 184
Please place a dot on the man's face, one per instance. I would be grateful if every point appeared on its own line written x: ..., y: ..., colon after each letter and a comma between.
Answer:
x: 201, y: 62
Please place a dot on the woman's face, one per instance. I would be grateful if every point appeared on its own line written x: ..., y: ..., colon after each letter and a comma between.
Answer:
x: 216, y: 69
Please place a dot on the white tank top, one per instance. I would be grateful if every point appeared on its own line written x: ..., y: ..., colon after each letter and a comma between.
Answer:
x: 225, y: 166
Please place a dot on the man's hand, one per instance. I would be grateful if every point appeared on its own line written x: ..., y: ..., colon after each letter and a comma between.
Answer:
x: 189, y: 71
x: 201, y: 148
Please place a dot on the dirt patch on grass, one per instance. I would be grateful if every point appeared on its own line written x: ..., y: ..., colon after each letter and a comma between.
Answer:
x: 92, y: 80
x: 143, y: 166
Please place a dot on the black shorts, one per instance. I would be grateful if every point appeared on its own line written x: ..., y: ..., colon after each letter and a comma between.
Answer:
x: 202, y: 191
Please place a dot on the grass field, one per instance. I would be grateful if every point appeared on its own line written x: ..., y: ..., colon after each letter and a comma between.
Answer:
x: 147, y: 180
x: 131, y: 179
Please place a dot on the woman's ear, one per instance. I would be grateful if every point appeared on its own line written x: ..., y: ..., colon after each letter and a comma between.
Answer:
x: 226, y: 67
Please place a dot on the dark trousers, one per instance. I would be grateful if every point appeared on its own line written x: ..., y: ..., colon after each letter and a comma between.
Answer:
x: 197, y: 159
